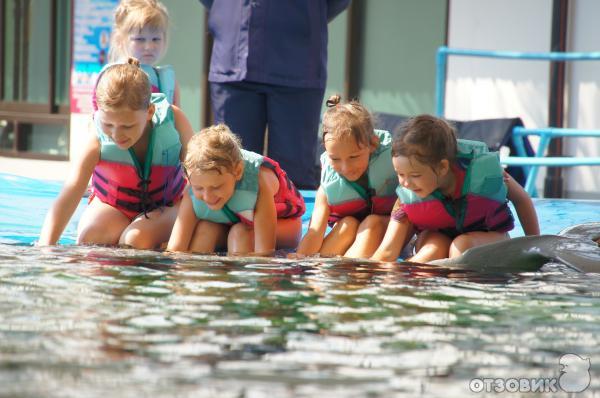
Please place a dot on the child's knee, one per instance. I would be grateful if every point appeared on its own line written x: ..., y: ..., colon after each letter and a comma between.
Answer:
x: 88, y: 236
x: 240, y: 239
x: 137, y: 239
x: 460, y: 244
x: 239, y: 231
x: 374, y: 221
x: 348, y: 224
x: 94, y: 234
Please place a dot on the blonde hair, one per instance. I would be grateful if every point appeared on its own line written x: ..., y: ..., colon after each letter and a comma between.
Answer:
x: 213, y: 148
x: 350, y: 119
x: 135, y: 15
x: 123, y: 85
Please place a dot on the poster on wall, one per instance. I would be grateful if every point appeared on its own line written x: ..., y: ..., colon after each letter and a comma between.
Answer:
x: 92, y: 23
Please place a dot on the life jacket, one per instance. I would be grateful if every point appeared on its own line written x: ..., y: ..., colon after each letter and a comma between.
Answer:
x: 162, y: 80
x: 135, y: 187
x: 482, y: 205
x: 289, y: 203
x: 348, y: 198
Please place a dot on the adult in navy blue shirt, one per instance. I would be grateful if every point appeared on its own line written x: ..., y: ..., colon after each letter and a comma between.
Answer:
x: 268, y: 70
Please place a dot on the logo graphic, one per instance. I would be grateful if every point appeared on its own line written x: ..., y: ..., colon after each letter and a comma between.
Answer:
x: 574, y: 377
x: 574, y: 373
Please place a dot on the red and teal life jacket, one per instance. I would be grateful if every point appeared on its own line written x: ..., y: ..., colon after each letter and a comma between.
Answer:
x: 162, y: 80
x: 481, y: 205
x: 349, y: 198
x: 121, y: 180
x: 289, y: 203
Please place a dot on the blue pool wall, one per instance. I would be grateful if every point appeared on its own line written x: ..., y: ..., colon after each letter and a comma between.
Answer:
x: 25, y: 201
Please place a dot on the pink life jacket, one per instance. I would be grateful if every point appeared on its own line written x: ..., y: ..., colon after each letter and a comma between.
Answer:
x: 131, y: 186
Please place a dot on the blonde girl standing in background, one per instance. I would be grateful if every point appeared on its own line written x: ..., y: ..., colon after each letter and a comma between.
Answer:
x: 140, y: 31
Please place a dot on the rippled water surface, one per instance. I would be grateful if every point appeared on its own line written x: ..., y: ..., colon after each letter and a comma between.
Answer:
x: 94, y: 322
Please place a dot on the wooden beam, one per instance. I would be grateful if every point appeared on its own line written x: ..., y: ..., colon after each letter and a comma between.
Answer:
x: 52, y: 107
x: 554, y: 184
x: 2, y: 46
x: 354, y: 49
x: 206, y: 111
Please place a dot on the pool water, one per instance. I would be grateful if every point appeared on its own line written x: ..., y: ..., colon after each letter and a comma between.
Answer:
x: 98, y: 322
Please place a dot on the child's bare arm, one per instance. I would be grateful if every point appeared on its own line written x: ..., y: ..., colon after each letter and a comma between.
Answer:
x: 64, y: 206
x: 184, y: 128
x: 393, y: 240
x: 184, y: 227
x: 265, y: 214
x: 523, y: 205
x: 313, y: 240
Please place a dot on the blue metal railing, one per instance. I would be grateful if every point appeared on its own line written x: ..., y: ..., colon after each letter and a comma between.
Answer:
x: 530, y: 164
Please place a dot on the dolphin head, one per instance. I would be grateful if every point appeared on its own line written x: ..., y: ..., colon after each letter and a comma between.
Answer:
x: 523, y: 254
x: 586, y: 232
x: 575, y: 247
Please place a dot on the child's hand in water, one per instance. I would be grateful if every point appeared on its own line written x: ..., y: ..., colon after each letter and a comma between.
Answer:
x: 252, y: 254
x: 296, y: 256
x: 47, y: 249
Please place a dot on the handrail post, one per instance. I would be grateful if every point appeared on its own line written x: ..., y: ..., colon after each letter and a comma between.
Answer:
x: 546, y: 134
x: 440, y: 80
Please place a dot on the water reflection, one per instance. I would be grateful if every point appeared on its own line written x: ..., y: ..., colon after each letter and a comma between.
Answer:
x: 94, y: 321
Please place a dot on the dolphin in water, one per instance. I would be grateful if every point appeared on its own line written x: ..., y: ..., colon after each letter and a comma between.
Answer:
x: 575, y: 247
